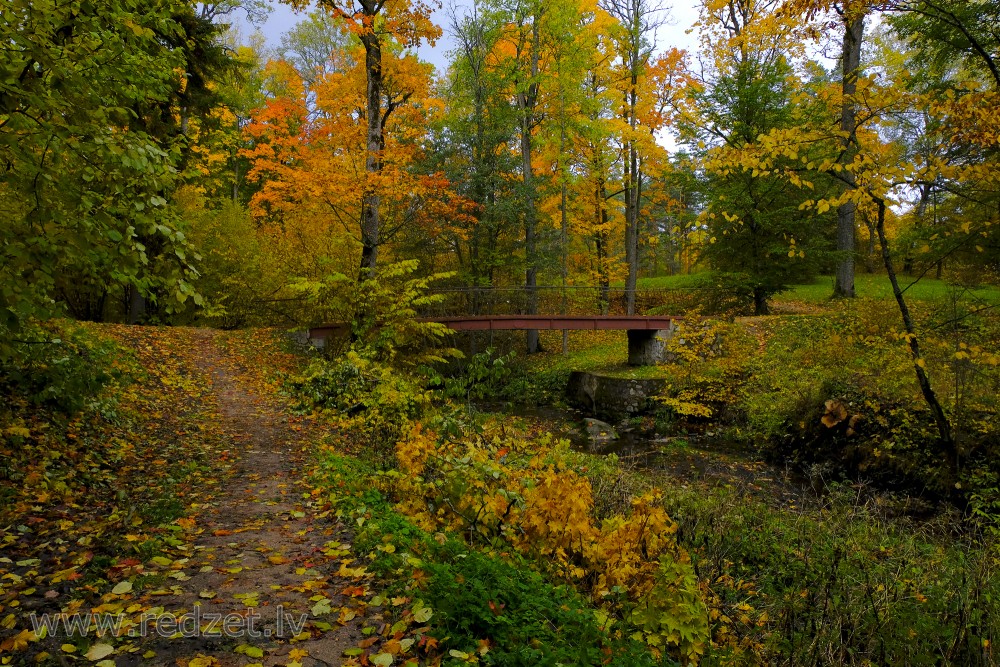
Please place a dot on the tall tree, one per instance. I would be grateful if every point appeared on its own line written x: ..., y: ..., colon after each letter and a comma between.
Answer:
x: 851, y: 22
x: 521, y: 43
x: 309, y: 45
x: 480, y: 122
x: 637, y: 21
x: 376, y: 23
x: 945, y: 34
x: 757, y: 233
x: 964, y: 114
x: 79, y: 190
x: 852, y: 17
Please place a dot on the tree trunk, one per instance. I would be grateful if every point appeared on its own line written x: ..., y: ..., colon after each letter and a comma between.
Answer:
x: 564, y: 229
x: 631, y: 206
x: 530, y: 250
x: 527, y: 101
x: 940, y: 418
x: 850, y: 62
x: 136, y: 305
x: 601, y: 246
x: 236, y: 181
x: 370, y: 221
x: 760, y: 306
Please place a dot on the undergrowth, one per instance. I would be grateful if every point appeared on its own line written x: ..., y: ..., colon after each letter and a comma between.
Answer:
x: 482, y: 606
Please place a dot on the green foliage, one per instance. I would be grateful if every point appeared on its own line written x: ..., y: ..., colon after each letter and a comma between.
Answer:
x: 674, y: 612
x: 758, y: 237
x: 377, y: 402
x: 382, y: 311
x: 528, y: 620
x: 485, y: 605
x: 84, y: 190
x: 374, y: 385
x: 486, y: 376
x: 942, y: 33
x: 840, y: 388
x: 843, y: 582
x: 243, y: 283
x: 56, y: 366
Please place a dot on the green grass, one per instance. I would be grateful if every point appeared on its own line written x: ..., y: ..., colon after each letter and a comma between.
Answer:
x: 875, y: 286
x: 679, y: 281
x: 604, y: 351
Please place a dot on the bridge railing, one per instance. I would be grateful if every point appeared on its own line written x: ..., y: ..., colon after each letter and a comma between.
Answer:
x: 557, y: 300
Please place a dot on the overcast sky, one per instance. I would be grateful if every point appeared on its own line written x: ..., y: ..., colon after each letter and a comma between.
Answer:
x: 674, y: 35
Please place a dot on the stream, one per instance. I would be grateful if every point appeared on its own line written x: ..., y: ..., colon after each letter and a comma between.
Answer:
x: 696, y: 458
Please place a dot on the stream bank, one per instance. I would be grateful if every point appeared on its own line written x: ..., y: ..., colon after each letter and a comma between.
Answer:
x: 690, y: 458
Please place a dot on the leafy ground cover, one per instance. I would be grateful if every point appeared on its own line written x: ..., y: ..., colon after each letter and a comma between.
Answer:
x: 287, y: 518
x: 836, y: 577
x: 841, y: 572
x: 179, y: 495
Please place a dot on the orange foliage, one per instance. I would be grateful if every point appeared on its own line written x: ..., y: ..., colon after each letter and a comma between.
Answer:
x: 308, y: 155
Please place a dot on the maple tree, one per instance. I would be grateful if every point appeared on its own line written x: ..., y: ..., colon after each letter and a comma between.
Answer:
x: 376, y: 23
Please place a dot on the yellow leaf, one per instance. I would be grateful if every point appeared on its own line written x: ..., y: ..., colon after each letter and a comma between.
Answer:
x: 203, y: 661
x: 122, y: 588
x: 99, y: 652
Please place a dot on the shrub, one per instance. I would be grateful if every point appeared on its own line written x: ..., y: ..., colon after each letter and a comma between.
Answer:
x: 55, y: 365
x: 843, y: 583
x: 528, y: 497
x: 375, y: 403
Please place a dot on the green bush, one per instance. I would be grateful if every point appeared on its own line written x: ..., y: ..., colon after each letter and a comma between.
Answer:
x: 56, y: 365
x: 376, y: 403
x: 528, y: 621
x: 841, y: 390
x: 476, y: 596
x: 843, y: 582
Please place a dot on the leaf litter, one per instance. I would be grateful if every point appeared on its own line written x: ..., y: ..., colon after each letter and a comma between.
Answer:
x: 193, y: 505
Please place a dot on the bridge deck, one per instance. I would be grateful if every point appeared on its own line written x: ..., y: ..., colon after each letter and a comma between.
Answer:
x: 526, y: 322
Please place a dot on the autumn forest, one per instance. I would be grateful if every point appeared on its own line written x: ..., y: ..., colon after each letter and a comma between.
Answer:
x: 271, y: 391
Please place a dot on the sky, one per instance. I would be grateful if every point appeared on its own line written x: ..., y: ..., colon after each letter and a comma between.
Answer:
x: 282, y: 18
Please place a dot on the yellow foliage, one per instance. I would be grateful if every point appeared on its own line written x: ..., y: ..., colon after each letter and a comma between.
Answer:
x: 530, y: 497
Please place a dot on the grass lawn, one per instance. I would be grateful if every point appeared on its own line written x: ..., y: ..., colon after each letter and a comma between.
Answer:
x: 604, y: 352
x: 877, y: 286
x: 867, y: 285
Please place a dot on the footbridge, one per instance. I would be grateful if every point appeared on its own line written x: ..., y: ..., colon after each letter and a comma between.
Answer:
x: 481, y: 309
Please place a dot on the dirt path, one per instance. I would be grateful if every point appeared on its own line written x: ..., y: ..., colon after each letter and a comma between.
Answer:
x: 260, y: 563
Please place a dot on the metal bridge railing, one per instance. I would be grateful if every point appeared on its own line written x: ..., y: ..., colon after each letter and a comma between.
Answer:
x: 558, y: 300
